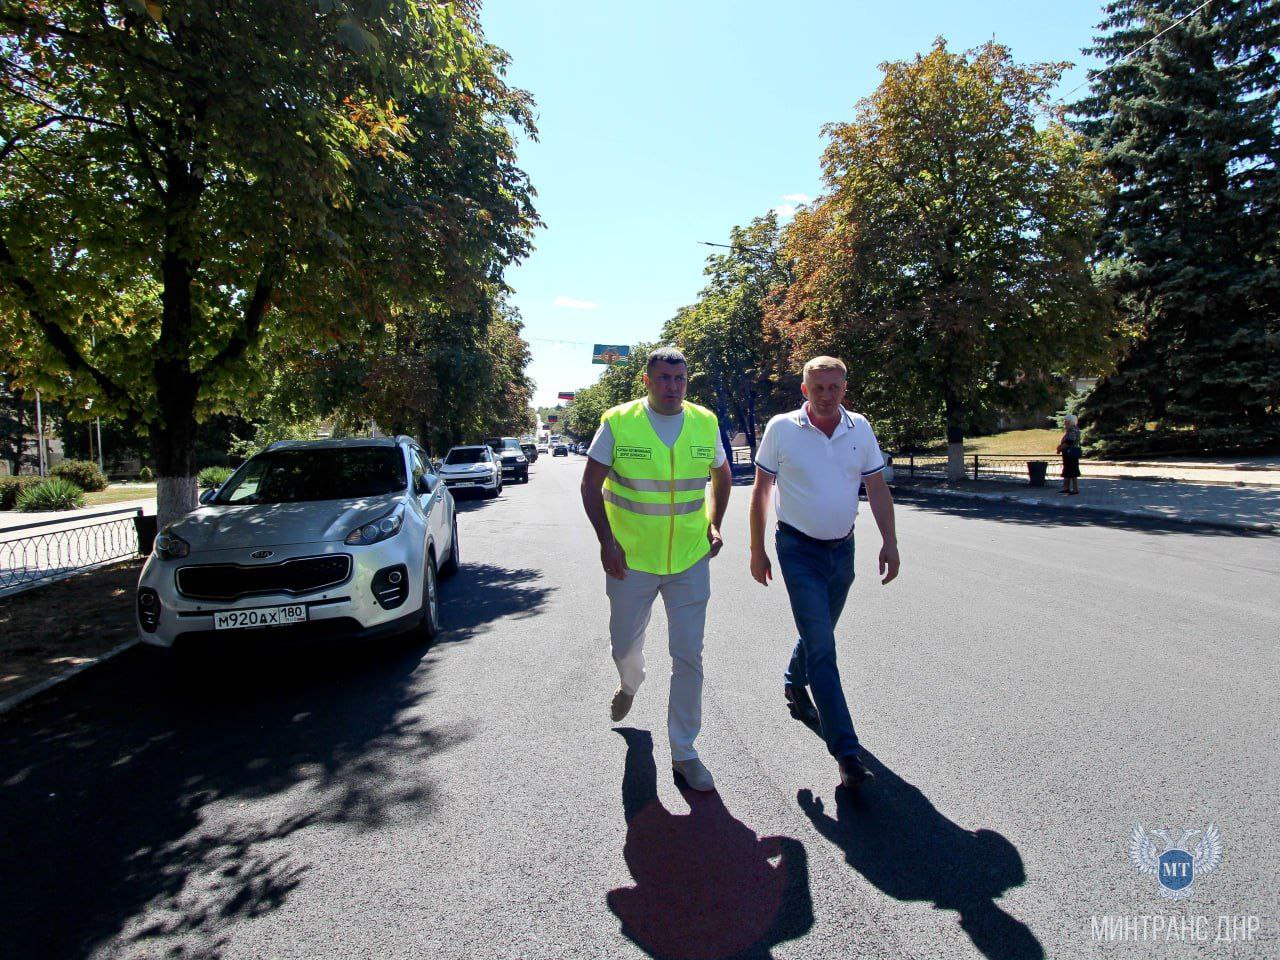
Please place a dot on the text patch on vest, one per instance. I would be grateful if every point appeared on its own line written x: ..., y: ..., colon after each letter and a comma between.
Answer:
x: 702, y: 453
x: 632, y: 453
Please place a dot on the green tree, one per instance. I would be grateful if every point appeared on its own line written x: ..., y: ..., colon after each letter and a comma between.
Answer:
x: 1187, y: 126
x: 948, y: 261
x: 189, y: 185
x: 722, y: 334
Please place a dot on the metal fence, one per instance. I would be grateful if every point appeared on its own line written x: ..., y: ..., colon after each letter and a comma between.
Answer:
x: 977, y: 466
x: 33, y: 553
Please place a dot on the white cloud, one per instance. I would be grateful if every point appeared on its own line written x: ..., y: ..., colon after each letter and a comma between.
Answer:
x: 797, y: 198
x: 785, y: 210
x: 569, y: 303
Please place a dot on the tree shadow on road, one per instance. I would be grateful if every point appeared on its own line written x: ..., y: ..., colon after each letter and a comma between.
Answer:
x: 1029, y: 513
x: 706, y: 886
x: 148, y: 808
x: 892, y: 835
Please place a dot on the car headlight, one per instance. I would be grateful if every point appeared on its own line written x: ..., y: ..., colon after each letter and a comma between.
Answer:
x: 170, y: 546
x: 376, y: 530
x: 521, y: 459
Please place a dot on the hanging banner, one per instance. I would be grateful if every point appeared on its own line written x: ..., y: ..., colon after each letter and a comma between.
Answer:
x: 565, y: 395
x: 609, y: 353
x: 553, y: 419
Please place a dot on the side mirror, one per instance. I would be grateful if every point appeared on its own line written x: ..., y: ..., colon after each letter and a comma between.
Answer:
x: 424, y: 484
x: 207, y: 495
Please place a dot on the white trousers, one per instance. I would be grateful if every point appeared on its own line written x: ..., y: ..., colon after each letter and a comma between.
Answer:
x: 685, y: 596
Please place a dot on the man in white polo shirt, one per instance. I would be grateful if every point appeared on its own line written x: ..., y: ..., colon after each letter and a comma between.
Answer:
x: 816, y: 458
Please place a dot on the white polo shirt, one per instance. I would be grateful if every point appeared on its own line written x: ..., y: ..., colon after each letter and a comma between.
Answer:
x: 818, y: 477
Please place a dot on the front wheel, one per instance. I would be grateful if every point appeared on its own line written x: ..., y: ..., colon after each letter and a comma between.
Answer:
x: 450, y: 566
x: 430, y: 602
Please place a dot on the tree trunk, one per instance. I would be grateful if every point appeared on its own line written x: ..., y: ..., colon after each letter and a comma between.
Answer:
x: 173, y: 433
x: 173, y: 447
x: 955, y: 440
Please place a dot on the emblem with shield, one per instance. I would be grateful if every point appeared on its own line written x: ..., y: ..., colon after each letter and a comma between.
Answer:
x: 1178, y: 867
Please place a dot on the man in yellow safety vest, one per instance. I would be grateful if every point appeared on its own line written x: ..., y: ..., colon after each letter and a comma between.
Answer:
x: 645, y: 491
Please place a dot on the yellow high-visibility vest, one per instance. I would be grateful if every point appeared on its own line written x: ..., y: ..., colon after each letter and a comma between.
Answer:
x: 655, y: 495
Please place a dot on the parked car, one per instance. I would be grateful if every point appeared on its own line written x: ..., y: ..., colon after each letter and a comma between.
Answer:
x: 472, y: 468
x: 530, y: 451
x: 560, y: 450
x: 515, y: 465
x: 310, y: 538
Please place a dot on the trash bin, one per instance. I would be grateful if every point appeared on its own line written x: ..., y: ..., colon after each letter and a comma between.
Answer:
x: 146, y: 527
x: 1036, y: 470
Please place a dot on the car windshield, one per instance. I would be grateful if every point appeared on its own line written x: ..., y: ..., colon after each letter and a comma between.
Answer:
x: 466, y: 455
x: 316, y: 473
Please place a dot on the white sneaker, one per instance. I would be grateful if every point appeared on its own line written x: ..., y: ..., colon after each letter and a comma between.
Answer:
x: 695, y: 775
x: 620, y: 706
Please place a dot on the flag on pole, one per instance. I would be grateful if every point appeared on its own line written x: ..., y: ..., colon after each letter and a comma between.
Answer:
x: 565, y: 395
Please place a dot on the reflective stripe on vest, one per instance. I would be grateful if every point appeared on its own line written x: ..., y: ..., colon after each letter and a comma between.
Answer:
x: 653, y: 509
x: 655, y: 495
x: 658, y: 486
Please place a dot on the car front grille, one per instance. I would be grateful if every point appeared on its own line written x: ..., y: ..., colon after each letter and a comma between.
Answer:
x: 231, y: 581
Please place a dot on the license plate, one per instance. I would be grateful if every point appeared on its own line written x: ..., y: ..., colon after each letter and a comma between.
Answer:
x: 259, y: 617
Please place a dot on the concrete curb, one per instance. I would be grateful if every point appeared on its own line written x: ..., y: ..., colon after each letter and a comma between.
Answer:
x: 1237, y: 525
x: 20, y: 698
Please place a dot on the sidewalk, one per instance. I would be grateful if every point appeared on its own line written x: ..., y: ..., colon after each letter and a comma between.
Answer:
x: 1254, y: 507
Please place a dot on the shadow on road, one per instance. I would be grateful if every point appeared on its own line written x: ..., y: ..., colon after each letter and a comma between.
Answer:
x: 706, y: 886
x: 147, y: 807
x: 1031, y: 514
x: 892, y: 835
x: 484, y: 592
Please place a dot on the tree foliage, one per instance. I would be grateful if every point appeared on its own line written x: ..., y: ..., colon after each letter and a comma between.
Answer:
x: 948, y: 262
x: 1187, y: 126
x: 190, y: 185
x: 722, y: 334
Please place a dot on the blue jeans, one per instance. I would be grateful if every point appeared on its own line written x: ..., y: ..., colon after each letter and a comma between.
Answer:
x: 818, y: 579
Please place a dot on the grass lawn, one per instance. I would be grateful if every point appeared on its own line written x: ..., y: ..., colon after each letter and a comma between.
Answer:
x: 117, y: 493
x: 1010, y: 444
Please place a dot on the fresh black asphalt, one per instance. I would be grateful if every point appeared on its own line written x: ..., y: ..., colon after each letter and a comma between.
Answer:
x: 1032, y: 686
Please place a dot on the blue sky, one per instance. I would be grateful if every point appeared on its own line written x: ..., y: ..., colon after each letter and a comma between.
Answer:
x: 662, y: 124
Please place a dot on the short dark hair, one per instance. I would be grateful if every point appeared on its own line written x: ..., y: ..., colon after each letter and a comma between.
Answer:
x: 665, y: 355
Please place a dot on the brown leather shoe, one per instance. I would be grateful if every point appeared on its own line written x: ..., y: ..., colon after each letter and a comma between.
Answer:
x: 853, y: 772
x: 620, y: 706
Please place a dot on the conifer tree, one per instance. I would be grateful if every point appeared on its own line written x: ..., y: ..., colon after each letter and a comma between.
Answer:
x: 1187, y: 126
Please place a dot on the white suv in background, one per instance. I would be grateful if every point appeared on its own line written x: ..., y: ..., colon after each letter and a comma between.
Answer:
x: 472, y: 467
x: 310, y: 538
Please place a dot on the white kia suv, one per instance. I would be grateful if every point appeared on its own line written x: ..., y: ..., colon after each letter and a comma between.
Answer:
x: 310, y: 538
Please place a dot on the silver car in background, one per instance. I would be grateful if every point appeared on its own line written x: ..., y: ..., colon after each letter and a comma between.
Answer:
x: 314, y: 539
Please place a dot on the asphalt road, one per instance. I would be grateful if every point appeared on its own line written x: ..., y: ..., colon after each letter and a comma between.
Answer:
x: 1031, y: 687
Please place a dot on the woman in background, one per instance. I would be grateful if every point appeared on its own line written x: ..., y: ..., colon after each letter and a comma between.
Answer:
x: 1069, y: 447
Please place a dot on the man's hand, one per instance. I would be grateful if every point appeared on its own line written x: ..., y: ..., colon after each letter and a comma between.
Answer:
x: 889, y: 561
x: 761, y: 569
x: 613, y: 559
x: 714, y: 538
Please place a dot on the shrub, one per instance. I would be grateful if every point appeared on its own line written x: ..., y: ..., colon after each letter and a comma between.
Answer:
x: 56, y: 493
x: 146, y: 475
x: 82, y: 473
x: 10, y: 487
x: 213, y: 477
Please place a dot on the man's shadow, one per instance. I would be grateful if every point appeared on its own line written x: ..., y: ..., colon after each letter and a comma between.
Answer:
x: 706, y: 887
x: 897, y: 839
